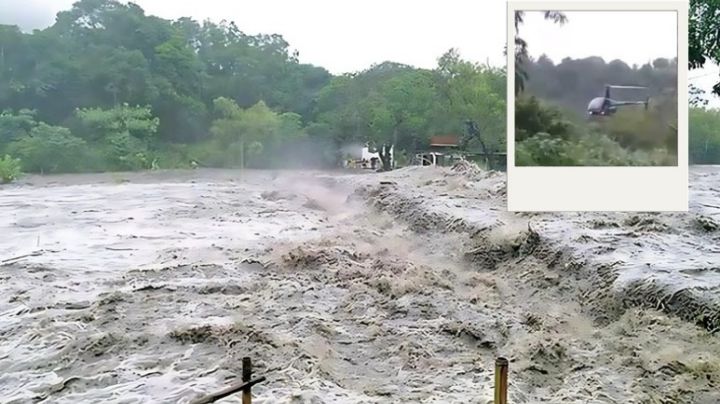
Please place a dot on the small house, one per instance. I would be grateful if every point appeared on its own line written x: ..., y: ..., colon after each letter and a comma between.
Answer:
x: 442, y: 151
x: 364, y: 158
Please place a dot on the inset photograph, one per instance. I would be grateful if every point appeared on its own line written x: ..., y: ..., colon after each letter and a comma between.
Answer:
x: 596, y: 88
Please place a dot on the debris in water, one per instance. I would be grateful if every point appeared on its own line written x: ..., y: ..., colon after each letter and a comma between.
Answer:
x: 706, y: 223
x: 313, y: 204
x: 467, y: 168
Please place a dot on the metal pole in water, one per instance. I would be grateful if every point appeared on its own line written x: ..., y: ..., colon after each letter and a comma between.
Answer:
x: 501, y: 380
x: 246, y: 376
x: 242, y: 156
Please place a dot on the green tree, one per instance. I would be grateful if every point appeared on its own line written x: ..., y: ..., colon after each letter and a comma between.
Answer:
x: 703, y: 34
x: 476, y: 93
x: 14, y: 126
x: 125, y: 134
x: 9, y: 169
x: 136, y: 121
x: 399, y: 111
x: 521, y: 54
x: 532, y: 118
x: 247, y: 132
x: 49, y: 149
x: 101, y: 57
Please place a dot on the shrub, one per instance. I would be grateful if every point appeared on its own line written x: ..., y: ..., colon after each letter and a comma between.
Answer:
x: 632, y: 137
x: 590, y: 149
x: 171, y: 156
x: 533, y: 117
x: 126, y: 152
x: 543, y: 149
x: 9, y: 169
x: 635, y: 128
x: 50, y: 149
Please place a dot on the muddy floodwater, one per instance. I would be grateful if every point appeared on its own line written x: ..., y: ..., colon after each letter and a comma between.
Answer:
x: 349, y: 288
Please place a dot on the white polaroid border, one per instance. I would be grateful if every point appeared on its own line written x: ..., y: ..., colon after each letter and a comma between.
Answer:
x: 629, y: 189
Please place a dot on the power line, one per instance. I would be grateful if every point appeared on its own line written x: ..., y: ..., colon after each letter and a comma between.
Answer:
x: 704, y: 75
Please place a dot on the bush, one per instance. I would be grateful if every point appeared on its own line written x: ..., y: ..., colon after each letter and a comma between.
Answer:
x: 704, y: 136
x: 49, y: 149
x: 171, y: 156
x: 125, y: 152
x: 213, y: 153
x: 532, y: 117
x: 637, y: 129
x: 543, y: 149
x: 596, y: 149
x: 9, y: 169
x: 591, y: 149
x: 632, y: 137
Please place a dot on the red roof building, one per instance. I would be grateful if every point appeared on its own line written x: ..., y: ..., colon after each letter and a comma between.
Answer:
x: 444, y: 141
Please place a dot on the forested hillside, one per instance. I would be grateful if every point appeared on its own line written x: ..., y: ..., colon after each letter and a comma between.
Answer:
x: 108, y: 87
x: 572, y: 83
x: 552, y: 125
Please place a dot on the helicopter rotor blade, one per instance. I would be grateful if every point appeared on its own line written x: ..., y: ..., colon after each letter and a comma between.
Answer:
x: 628, y: 87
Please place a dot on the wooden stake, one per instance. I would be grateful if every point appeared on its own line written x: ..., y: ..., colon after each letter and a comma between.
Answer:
x: 246, y: 376
x: 211, y: 398
x: 501, y: 381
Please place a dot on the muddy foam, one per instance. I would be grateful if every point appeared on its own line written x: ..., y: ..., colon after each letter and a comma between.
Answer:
x: 398, y: 287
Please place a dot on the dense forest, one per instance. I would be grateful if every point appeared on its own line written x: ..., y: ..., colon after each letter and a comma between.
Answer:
x: 572, y: 83
x: 107, y: 87
x: 552, y: 126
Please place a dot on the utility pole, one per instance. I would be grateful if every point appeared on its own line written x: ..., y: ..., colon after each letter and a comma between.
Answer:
x: 242, y: 153
x: 392, y: 149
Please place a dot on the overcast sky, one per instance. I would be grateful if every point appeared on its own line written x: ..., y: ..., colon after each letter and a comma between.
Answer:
x: 344, y: 35
x: 635, y: 37
x: 339, y: 35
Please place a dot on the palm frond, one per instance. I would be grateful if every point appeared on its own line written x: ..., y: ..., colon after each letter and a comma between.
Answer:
x: 556, y: 17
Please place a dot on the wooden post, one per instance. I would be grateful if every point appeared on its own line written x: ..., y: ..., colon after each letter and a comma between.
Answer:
x: 501, y: 382
x: 246, y: 376
x: 211, y: 398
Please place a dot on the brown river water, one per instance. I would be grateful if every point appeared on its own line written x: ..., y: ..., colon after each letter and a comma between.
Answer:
x: 152, y: 287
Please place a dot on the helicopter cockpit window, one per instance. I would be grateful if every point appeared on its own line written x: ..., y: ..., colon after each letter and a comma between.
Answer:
x: 596, y: 103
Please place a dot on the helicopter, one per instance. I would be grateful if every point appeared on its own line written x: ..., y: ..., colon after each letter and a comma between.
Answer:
x: 606, y: 106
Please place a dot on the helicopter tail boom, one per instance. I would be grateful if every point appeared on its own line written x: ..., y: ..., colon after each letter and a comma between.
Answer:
x: 629, y: 87
x: 609, y: 86
x: 628, y: 103
x: 623, y: 103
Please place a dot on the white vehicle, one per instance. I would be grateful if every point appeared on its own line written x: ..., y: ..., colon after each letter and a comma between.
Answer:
x: 372, y: 160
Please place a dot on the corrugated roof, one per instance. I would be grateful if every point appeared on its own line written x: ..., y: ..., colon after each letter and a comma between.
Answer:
x: 444, y: 140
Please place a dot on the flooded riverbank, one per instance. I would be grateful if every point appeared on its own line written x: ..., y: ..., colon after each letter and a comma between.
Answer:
x: 151, y: 287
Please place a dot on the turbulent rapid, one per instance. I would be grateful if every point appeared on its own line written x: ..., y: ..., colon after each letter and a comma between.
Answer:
x: 349, y: 288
